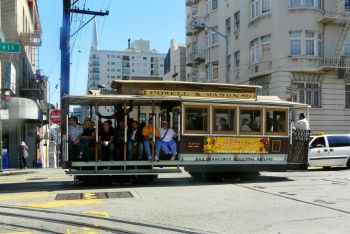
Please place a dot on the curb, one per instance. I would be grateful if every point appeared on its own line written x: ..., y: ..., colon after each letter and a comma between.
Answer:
x: 12, y: 173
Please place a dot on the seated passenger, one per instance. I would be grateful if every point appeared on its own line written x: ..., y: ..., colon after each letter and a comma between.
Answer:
x: 168, y: 143
x: 87, y: 138
x: 105, y: 142
x: 119, y: 139
x: 245, y: 127
x: 223, y: 125
x: 135, y: 140
x: 148, y: 140
x: 74, y: 133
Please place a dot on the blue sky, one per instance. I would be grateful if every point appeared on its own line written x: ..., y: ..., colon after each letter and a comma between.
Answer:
x: 156, y: 20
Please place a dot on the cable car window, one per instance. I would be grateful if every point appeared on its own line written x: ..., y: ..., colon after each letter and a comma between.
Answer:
x: 250, y: 121
x: 224, y: 119
x: 276, y: 121
x: 196, y: 119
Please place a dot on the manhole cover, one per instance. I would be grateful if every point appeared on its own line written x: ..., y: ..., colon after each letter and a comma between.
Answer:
x: 87, y: 196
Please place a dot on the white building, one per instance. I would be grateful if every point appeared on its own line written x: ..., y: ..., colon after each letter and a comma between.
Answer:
x: 175, y: 62
x: 296, y: 49
x: 138, y: 61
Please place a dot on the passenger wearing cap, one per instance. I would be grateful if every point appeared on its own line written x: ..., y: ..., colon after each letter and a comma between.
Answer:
x: 167, y: 139
x: 147, y: 134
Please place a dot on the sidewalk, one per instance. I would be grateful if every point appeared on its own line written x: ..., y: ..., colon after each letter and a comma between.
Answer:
x: 11, y: 172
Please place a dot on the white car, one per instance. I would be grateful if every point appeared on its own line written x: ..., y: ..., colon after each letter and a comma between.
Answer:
x: 329, y: 150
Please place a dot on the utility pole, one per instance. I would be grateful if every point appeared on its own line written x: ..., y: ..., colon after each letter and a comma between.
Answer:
x: 68, y: 8
x: 65, y: 39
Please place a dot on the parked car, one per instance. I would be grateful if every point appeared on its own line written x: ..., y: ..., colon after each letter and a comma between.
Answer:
x: 329, y: 150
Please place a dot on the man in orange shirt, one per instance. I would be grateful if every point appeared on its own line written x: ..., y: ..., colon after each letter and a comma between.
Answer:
x: 148, y: 140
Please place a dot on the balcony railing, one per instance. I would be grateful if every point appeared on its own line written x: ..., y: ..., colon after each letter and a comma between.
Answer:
x: 195, y: 26
x: 192, y: 2
x: 335, y: 16
x: 260, y: 68
x: 195, y: 57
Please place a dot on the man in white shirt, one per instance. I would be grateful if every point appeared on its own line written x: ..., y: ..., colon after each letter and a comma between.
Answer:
x: 74, y: 133
x: 302, y: 123
x: 168, y: 143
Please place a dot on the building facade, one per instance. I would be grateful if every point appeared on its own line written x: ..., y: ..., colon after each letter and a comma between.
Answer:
x: 21, y: 81
x: 175, y: 62
x: 295, y: 49
x: 136, y: 62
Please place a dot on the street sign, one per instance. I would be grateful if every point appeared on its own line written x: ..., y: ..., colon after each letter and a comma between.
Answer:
x: 9, y: 47
x: 55, y: 116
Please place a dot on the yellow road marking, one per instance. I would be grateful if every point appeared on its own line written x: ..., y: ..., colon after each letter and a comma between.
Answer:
x: 89, y: 196
x: 53, y: 204
x: 97, y: 213
x: 23, y: 196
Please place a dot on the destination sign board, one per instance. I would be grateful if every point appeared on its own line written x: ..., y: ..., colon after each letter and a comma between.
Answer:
x: 232, y: 95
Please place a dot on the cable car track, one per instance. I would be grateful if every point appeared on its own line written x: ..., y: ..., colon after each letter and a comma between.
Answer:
x: 294, y: 199
x: 82, y: 224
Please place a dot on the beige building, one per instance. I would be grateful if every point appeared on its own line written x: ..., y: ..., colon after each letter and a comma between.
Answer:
x: 22, y: 81
x: 296, y: 49
x: 175, y: 62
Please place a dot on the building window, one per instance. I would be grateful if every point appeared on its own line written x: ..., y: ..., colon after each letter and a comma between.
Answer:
x: 254, y: 51
x: 347, y: 5
x: 258, y: 7
x: 214, y: 4
x: 346, y: 48
x: 228, y: 25
x: 229, y: 63
x: 310, y: 43
x: 308, y: 93
x: 295, y: 43
x: 320, y: 45
x: 347, y: 95
x: 254, y: 9
x: 237, y: 59
x: 215, y: 36
x: 306, y: 4
x: 266, y: 48
x: 265, y: 6
x: 215, y: 66
x: 237, y: 19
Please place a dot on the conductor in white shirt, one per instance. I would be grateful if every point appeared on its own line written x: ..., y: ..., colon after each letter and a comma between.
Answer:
x: 167, y: 140
x: 302, y: 123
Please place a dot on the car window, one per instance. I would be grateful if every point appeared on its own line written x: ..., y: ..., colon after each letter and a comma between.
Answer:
x: 318, y: 142
x: 338, y: 141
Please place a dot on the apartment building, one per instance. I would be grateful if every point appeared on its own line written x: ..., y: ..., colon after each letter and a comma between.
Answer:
x: 295, y: 49
x: 23, y: 85
x: 137, y: 62
x: 175, y: 62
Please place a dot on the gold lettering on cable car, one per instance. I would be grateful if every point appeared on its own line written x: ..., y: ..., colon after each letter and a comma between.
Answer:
x: 249, y: 95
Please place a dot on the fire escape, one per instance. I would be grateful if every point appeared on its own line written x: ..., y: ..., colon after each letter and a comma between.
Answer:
x: 340, y: 15
x: 35, y: 86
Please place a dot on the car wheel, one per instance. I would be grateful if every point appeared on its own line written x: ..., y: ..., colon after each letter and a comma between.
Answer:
x: 348, y: 163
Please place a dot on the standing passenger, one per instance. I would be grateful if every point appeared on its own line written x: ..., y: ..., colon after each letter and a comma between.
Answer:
x: 105, y: 141
x: 74, y: 133
x: 135, y: 140
x: 119, y: 139
x: 87, y: 138
x: 302, y: 123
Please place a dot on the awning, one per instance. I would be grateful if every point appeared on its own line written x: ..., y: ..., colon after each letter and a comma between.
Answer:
x: 25, y: 109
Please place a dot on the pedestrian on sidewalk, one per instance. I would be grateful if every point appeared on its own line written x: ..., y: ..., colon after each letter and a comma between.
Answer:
x: 23, y: 154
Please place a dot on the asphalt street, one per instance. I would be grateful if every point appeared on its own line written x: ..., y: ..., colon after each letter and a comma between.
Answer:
x: 48, y: 201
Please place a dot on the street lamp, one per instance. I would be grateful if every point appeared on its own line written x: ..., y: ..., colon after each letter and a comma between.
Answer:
x: 200, y: 26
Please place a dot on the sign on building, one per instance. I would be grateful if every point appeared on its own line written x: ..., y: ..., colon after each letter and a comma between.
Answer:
x: 10, y: 77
